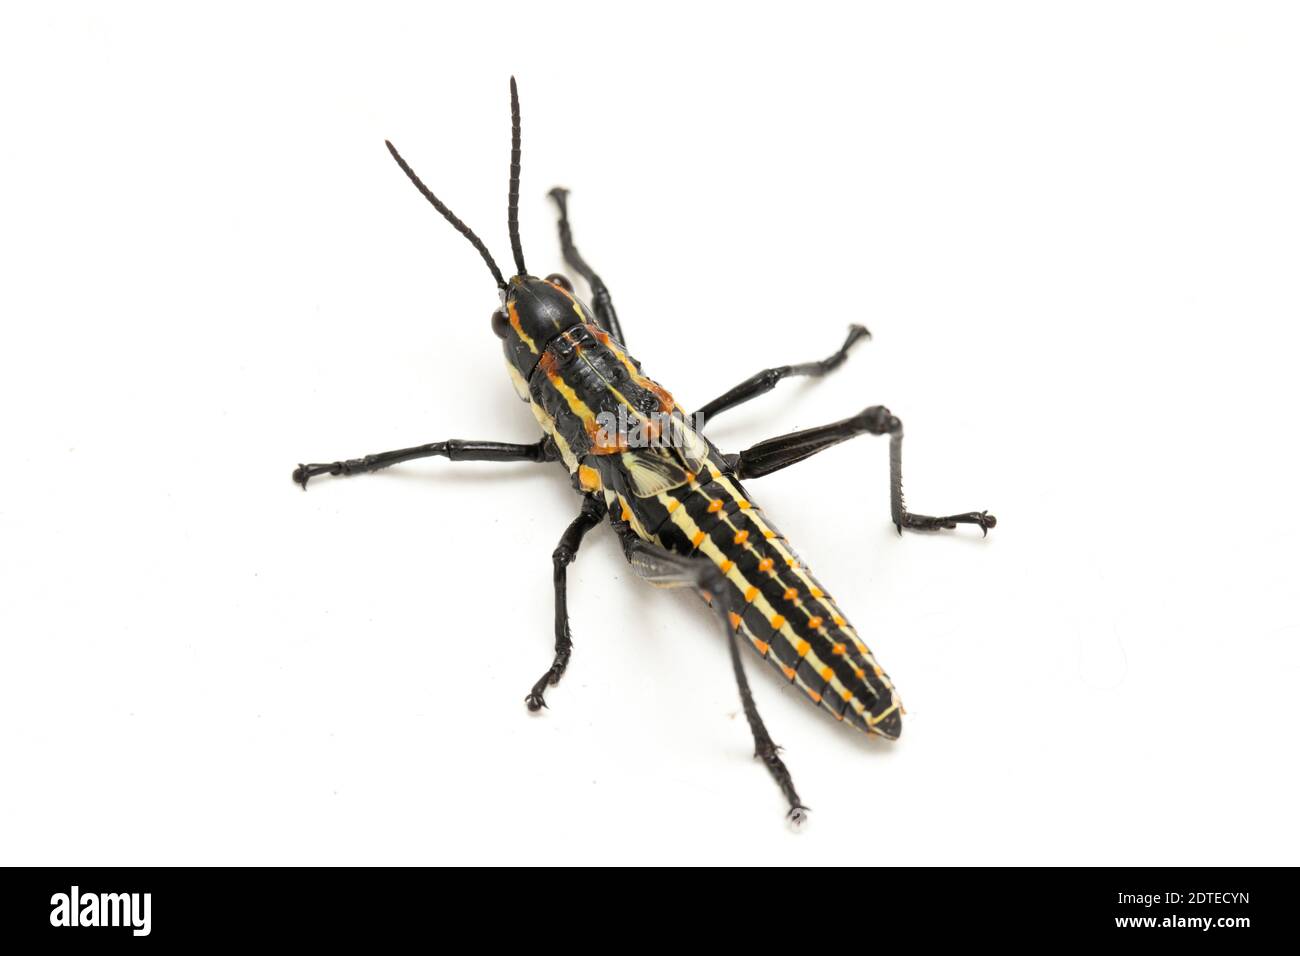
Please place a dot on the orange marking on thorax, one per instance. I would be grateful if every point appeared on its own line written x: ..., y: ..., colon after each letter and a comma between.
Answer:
x: 601, y: 442
x: 519, y: 329
x: 666, y: 402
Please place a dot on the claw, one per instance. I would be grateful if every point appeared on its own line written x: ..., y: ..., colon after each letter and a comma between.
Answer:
x: 301, y: 476
x: 797, y: 817
x: 535, y: 702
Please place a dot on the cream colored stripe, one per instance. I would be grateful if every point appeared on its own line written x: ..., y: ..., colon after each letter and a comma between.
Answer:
x: 576, y: 404
x: 548, y: 425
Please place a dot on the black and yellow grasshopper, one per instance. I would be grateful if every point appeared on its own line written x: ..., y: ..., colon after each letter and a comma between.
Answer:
x: 673, y: 498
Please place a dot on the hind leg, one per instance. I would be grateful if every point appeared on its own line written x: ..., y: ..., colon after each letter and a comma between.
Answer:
x: 777, y: 453
x: 664, y: 568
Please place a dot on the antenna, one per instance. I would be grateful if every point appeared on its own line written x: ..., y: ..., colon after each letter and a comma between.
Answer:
x: 451, y: 217
x: 513, y: 215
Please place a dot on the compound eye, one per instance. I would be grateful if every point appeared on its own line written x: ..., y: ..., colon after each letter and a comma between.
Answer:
x: 562, y: 281
x: 500, y: 323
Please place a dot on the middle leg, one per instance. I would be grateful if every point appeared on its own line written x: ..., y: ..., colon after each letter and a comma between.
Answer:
x: 764, y: 381
x: 593, y: 509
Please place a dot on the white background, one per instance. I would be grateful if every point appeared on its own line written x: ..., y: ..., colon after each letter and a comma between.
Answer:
x: 1071, y: 229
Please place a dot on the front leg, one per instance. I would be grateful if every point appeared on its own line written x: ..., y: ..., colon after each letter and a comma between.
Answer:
x: 593, y: 509
x: 777, y: 453
x: 454, y: 449
x: 600, y: 298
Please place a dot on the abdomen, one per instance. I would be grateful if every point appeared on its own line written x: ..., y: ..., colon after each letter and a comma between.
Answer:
x: 779, y: 606
x: 681, y: 497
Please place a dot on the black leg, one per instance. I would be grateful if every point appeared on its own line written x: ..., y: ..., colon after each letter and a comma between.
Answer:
x: 593, y: 509
x: 600, y: 298
x: 454, y: 449
x: 664, y: 568
x: 777, y: 453
x: 766, y: 380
